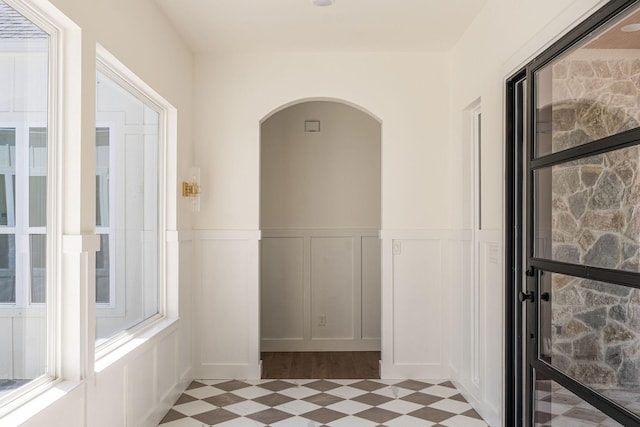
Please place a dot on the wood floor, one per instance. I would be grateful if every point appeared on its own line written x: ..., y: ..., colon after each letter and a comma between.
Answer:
x: 321, y: 365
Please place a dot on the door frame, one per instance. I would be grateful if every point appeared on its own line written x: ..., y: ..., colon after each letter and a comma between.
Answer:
x: 519, y: 135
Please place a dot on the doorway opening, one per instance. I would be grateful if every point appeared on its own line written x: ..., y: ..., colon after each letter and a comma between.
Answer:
x: 573, y: 215
x: 320, y: 216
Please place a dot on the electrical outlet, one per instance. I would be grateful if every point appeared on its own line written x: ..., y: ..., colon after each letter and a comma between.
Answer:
x: 397, y: 247
x: 323, y: 320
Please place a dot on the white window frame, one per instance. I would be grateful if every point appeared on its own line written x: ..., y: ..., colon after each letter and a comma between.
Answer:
x: 38, y: 385
x: 116, y: 305
x: 108, y: 65
x: 21, y: 229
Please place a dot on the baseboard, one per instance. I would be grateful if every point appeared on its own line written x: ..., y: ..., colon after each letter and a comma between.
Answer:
x: 319, y: 345
x: 167, y: 401
x: 423, y: 371
x: 490, y: 415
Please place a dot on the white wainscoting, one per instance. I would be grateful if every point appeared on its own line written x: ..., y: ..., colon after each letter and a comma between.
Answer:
x: 477, y: 321
x: 226, y: 304
x: 320, y: 290
x: 416, y: 303
x: 137, y: 383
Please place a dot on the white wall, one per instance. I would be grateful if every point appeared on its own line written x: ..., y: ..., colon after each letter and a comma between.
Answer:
x: 320, y: 216
x: 326, y: 179
x: 503, y: 37
x: 139, y: 386
x: 409, y: 94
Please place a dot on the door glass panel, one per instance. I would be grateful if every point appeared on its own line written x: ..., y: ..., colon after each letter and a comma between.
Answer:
x: 587, y: 211
x: 555, y: 406
x: 590, y: 331
x: 591, y: 91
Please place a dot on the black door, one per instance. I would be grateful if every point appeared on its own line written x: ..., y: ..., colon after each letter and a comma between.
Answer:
x: 573, y: 282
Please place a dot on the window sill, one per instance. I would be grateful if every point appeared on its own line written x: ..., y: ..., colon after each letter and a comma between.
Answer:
x: 155, y: 331
x: 38, y: 400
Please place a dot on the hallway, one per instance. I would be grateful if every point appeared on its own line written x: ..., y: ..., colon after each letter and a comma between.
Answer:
x: 325, y: 364
x: 312, y: 403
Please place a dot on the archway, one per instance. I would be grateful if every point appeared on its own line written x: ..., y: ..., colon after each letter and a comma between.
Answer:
x: 320, y: 215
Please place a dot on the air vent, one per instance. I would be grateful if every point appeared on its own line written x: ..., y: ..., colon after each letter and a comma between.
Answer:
x: 312, y: 125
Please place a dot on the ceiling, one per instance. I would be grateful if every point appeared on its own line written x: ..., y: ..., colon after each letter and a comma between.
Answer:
x: 296, y: 25
x: 614, y: 38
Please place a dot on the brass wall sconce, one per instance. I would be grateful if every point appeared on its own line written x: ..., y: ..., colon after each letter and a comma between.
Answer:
x: 191, y: 188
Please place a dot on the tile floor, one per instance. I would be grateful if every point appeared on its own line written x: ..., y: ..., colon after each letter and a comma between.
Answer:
x: 315, y: 403
x: 558, y: 407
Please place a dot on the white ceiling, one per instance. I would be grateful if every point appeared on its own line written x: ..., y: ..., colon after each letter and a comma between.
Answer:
x: 347, y: 25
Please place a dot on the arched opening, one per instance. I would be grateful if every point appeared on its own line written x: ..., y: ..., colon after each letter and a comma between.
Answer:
x: 320, y: 215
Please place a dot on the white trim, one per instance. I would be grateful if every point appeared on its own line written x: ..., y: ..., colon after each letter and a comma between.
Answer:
x: 426, y: 234
x: 227, y: 234
x: 80, y: 243
x: 179, y: 235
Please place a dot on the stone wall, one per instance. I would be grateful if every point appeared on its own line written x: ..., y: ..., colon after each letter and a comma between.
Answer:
x: 595, y: 220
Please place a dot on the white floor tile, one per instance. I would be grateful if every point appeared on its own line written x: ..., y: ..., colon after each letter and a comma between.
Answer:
x: 247, y: 407
x: 298, y: 392
x: 352, y: 422
x: 400, y: 406
x: 346, y: 392
x: 195, y: 407
x: 451, y: 405
x: 251, y: 392
x: 204, y: 392
x: 349, y: 407
x: 438, y: 390
x: 393, y: 392
x: 298, y: 407
x: 408, y: 421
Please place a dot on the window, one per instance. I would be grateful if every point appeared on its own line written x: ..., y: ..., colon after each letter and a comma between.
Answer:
x: 128, y: 206
x: 24, y: 218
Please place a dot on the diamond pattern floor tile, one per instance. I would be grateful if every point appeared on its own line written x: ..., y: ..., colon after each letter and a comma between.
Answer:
x: 320, y: 403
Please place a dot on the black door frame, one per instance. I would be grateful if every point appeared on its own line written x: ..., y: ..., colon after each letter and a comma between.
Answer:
x: 519, y: 134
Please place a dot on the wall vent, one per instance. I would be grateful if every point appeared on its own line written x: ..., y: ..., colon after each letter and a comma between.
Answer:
x: 312, y: 125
